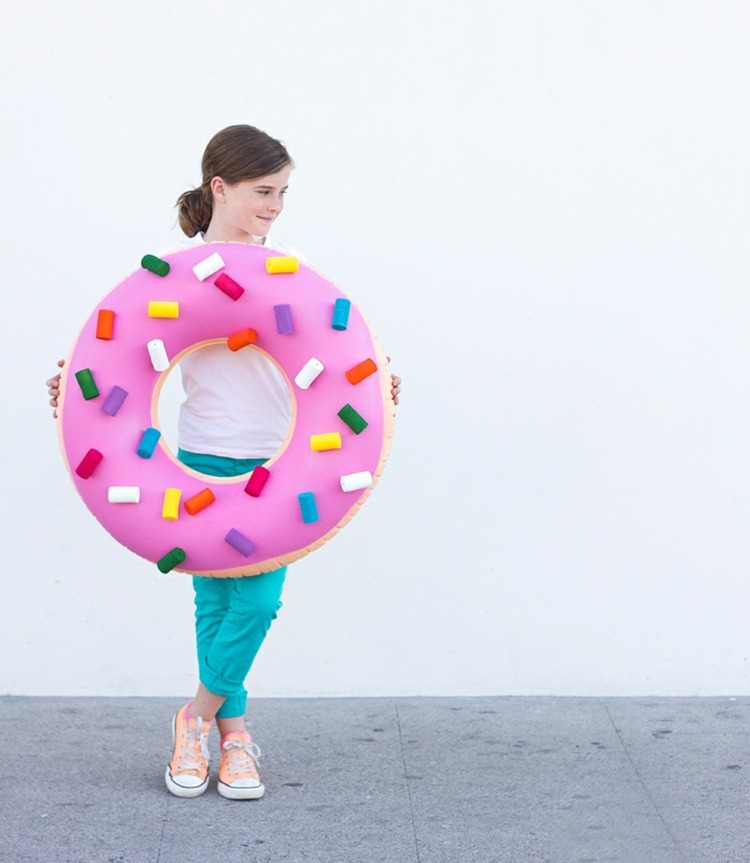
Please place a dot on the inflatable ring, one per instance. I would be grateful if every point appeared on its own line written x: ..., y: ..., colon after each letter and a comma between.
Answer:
x: 250, y: 298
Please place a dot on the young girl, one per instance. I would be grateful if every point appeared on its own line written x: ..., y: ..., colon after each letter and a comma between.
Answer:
x: 235, y: 416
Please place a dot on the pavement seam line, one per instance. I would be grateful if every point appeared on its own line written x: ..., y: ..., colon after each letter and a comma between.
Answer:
x: 646, y: 791
x: 164, y: 820
x: 406, y: 781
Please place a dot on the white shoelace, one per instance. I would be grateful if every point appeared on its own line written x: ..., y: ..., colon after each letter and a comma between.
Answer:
x: 242, y: 765
x: 195, y: 740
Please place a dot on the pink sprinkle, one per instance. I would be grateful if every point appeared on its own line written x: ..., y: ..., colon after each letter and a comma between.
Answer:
x: 228, y: 285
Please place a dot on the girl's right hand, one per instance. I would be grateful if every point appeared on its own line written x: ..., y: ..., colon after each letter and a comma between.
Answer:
x: 53, y: 385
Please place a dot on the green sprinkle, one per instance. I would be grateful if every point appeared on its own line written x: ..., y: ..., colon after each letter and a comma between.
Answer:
x: 156, y: 265
x: 355, y: 422
x: 171, y: 559
x: 86, y: 382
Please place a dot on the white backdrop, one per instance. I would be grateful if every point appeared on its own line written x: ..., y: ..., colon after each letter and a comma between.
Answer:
x: 542, y: 208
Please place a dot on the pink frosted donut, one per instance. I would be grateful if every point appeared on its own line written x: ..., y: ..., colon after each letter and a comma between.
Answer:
x: 334, y: 453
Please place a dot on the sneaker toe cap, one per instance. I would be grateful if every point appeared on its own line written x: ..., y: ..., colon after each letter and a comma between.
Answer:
x: 245, y: 783
x: 186, y: 780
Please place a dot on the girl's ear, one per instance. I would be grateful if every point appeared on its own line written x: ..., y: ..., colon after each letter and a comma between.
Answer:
x: 218, y: 188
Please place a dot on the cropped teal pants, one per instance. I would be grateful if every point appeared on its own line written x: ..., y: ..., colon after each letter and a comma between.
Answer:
x: 232, y: 615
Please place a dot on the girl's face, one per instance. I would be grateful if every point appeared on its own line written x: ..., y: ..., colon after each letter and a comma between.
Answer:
x: 248, y: 209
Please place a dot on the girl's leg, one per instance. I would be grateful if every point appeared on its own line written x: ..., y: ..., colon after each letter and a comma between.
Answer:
x: 232, y: 618
x: 206, y: 704
x: 231, y: 622
x: 220, y: 692
x: 212, y: 600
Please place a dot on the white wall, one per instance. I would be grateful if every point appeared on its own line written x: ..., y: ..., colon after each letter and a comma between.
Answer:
x: 542, y: 207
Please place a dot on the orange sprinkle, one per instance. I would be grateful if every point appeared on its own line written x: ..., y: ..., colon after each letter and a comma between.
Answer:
x: 242, y: 339
x: 199, y: 501
x: 361, y: 371
x: 105, y: 324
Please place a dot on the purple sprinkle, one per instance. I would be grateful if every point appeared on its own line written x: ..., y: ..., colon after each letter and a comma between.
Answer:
x: 114, y: 401
x: 240, y: 542
x: 284, y: 323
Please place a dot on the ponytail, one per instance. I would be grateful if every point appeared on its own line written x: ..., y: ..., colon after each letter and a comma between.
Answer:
x: 194, y: 210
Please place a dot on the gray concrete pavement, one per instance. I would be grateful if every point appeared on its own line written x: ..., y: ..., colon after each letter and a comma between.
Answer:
x: 387, y: 780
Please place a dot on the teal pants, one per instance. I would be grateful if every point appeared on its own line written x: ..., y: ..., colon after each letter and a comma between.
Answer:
x: 232, y: 615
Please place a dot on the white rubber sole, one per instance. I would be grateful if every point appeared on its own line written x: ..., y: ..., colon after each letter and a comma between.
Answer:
x: 240, y: 793
x: 184, y: 790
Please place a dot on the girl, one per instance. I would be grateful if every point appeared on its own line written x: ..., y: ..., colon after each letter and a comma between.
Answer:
x: 235, y: 416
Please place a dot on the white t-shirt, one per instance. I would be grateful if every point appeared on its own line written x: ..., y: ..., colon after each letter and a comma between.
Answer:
x: 237, y: 402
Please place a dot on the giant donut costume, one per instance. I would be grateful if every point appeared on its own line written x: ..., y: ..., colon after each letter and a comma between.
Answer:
x: 251, y: 298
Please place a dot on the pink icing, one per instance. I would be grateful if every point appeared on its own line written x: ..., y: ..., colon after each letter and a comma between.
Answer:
x: 273, y: 520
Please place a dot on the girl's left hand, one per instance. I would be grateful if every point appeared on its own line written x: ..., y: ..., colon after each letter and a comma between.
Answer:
x: 395, y: 386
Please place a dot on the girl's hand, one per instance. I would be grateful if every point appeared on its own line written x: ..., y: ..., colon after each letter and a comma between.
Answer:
x: 53, y: 385
x: 395, y: 386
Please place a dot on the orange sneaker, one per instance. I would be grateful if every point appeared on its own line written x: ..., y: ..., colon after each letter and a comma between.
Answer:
x: 238, y: 768
x: 187, y: 772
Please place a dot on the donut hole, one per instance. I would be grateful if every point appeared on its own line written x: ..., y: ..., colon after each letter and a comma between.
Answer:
x: 214, y: 401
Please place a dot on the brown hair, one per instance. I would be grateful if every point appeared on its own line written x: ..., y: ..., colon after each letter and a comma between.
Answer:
x: 235, y: 154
